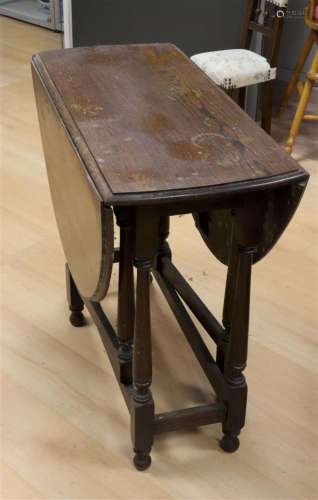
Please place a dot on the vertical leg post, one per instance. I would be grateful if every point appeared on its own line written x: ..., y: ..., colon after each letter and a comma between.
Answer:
x: 126, y: 294
x: 142, y: 341
x: 74, y: 300
x: 246, y: 235
x: 267, y: 106
x: 164, y: 248
x: 297, y: 70
x: 146, y: 248
x: 242, y: 97
x: 227, y: 308
x: 236, y: 354
x: 311, y: 77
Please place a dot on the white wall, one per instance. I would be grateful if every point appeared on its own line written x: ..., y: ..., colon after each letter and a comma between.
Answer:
x: 68, y: 26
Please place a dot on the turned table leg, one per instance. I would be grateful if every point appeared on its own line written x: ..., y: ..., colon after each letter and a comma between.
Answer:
x: 143, y: 416
x: 74, y: 299
x: 126, y: 295
x: 227, y: 308
x: 236, y: 354
x: 146, y: 247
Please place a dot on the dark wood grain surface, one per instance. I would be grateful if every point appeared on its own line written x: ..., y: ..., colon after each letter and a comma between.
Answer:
x: 146, y: 119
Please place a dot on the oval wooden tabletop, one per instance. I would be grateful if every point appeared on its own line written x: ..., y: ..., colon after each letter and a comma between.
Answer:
x: 152, y: 121
x: 85, y: 224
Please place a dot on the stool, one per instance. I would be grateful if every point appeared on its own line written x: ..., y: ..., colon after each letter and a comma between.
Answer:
x: 304, y: 89
x: 239, y: 68
x: 139, y: 132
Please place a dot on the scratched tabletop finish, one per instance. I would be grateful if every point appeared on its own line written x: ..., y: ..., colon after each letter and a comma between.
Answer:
x: 152, y: 121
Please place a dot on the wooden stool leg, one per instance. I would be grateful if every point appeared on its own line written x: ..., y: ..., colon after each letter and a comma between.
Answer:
x: 242, y: 97
x: 147, y: 240
x: 301, y: 108
x: 126, y: 294
x: 297, y: 70
x: 267, y: 106
x: 236, y: 355
x: 74, y: 299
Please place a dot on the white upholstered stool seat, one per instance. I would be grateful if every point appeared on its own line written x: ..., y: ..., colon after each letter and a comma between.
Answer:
x: 279, y: 3
x: 235, y: 68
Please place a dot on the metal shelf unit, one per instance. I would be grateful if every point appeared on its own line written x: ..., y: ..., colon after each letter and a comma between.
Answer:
x: 32, y: 12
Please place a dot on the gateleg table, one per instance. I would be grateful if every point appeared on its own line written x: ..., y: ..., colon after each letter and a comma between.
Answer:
x: 138, y: 133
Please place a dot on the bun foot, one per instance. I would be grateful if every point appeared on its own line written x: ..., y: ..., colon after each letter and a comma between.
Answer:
x: 229, y: 443
x: 77, y: 319
x: 142, y: 460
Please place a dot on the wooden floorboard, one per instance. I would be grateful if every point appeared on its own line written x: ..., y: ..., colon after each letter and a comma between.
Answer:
x: 65, y: 427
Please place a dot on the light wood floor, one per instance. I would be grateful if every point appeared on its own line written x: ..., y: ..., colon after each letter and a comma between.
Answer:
x: 65, y: 428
